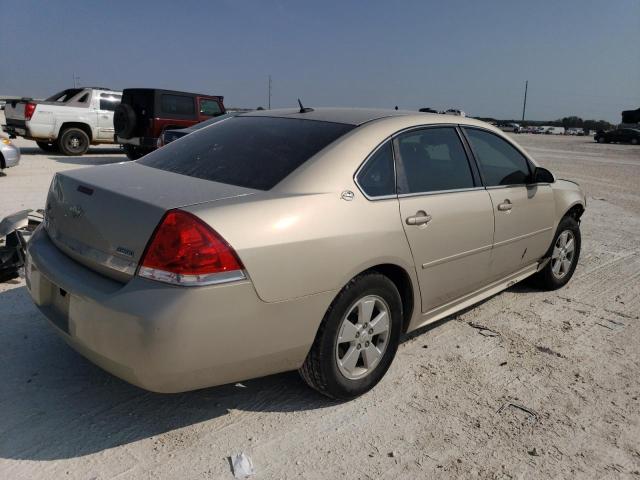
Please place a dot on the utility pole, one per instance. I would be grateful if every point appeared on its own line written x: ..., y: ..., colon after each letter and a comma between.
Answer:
x: 269, y: 106
x: 76, y: 80
x: 524, y: 106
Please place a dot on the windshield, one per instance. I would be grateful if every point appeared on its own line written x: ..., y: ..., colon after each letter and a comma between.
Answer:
x: 252, y: 152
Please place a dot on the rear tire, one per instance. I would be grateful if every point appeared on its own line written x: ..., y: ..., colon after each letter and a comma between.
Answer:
x: 357, y: 339
x: 634, y: 141
x: 48, y: 147
x: 73, y: 142
x: 133, y: 152
x: 564, y: 253
x: 600, y: 140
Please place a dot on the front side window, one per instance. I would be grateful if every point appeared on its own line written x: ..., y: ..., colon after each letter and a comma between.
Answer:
x: 377, y: 176
x: 209, y: 108
x: 500, y: 162
x: 177, y: 104
x: 432, y: 160
x: 252, y: 152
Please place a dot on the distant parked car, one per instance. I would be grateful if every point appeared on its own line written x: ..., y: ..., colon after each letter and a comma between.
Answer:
x: 170, y: 135
x: 9, y: 154
x: 619, y: 135
x: 69, y: 121
x: 509, y: 127
x: 554, y: 130
x: 455, y: 111
x: 147, y: 112
x: 428, y: 110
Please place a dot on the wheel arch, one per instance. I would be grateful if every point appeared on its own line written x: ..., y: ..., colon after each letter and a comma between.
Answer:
x: 82, y: 126
x: 3, y: 163
x: 576, y: 211
x: 402, y: 280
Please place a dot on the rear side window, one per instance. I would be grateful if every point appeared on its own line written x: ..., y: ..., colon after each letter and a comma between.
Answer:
x: 109, y: 102
x: 64, y: 96
x: 252, y: 152
x: 177, y: 104
x: 432, y: 160
x: 377, y: 176
x: 500, y: 162
x: 209, y: 108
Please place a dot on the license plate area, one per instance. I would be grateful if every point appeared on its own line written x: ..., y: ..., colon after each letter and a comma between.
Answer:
x: 58, y: 309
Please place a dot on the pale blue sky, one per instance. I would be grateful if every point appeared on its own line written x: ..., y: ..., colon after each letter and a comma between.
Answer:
x: 581, y: 57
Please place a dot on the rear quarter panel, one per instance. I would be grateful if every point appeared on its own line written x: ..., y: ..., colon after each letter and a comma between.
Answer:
x: 298, y: 245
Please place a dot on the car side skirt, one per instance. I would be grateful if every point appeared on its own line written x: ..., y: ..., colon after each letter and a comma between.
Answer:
x: 472, y: 298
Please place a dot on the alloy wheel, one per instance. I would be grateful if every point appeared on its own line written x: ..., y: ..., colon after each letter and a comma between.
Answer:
x: 363, y: 337
x: 563, y: 254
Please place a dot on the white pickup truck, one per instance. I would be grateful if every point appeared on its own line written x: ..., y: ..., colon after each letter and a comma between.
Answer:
x: 67, y: 122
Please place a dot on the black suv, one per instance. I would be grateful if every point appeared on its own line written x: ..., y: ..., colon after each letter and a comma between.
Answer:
x: 145, y: 113
x: 620, y: 135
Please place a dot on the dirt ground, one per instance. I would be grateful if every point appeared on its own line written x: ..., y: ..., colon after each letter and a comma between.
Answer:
x: 555, y: 394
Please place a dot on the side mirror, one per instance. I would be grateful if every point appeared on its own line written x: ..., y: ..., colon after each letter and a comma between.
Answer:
x: 542, y: 175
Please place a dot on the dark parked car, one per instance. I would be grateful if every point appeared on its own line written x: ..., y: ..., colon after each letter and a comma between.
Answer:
x: 619, y: 135
x: 147, y: 112
x: 170, y: 135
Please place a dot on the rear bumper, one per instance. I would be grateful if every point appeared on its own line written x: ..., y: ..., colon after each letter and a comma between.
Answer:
x: 170, y: 339
x: 10, y: 156
x: 16, y: 130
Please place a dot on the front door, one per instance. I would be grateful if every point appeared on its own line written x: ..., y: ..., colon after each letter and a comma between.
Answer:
x: 524, y: 212
x: 447, y: 215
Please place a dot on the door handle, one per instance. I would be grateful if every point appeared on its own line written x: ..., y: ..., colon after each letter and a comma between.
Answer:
x: 420, y: 218
x: 505, y: 206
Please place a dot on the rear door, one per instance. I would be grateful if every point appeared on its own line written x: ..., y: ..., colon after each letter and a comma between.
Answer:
x: 446, y: 214
x: 524, y: 212
x: 107, y: 103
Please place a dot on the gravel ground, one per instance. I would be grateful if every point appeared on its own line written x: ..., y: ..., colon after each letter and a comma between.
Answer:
x: 555, y: 394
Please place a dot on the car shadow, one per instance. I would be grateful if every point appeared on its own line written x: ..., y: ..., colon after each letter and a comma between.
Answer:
x: 92, y: 151
x: 54, y: 404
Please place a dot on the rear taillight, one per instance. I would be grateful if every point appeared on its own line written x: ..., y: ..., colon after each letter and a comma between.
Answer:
x: 186, y: 251
x: 29, y: 108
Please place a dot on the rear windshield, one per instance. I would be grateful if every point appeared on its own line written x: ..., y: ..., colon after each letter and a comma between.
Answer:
x: 252, y: 152
x: 64, y: 96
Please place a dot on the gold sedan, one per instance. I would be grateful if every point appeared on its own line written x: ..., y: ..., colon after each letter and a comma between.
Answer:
x: 294, y: 239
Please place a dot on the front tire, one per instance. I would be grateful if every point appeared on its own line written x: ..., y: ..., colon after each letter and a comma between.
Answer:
x: 357, y: 339
x: 565, y: 252
x: 73, y: 142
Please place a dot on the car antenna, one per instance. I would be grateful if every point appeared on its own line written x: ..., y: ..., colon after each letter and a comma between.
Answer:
x: 303, y: 109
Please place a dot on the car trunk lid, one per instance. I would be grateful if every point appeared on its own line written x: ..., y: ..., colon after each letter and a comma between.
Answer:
x: 103, y: 217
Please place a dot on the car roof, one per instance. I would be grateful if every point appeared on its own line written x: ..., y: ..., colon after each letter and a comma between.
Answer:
x: 360, y: 116
x: 170, y: 92
x: 349, y: 116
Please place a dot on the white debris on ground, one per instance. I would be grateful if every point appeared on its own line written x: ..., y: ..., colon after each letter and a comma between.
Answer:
x: 242, y: 466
